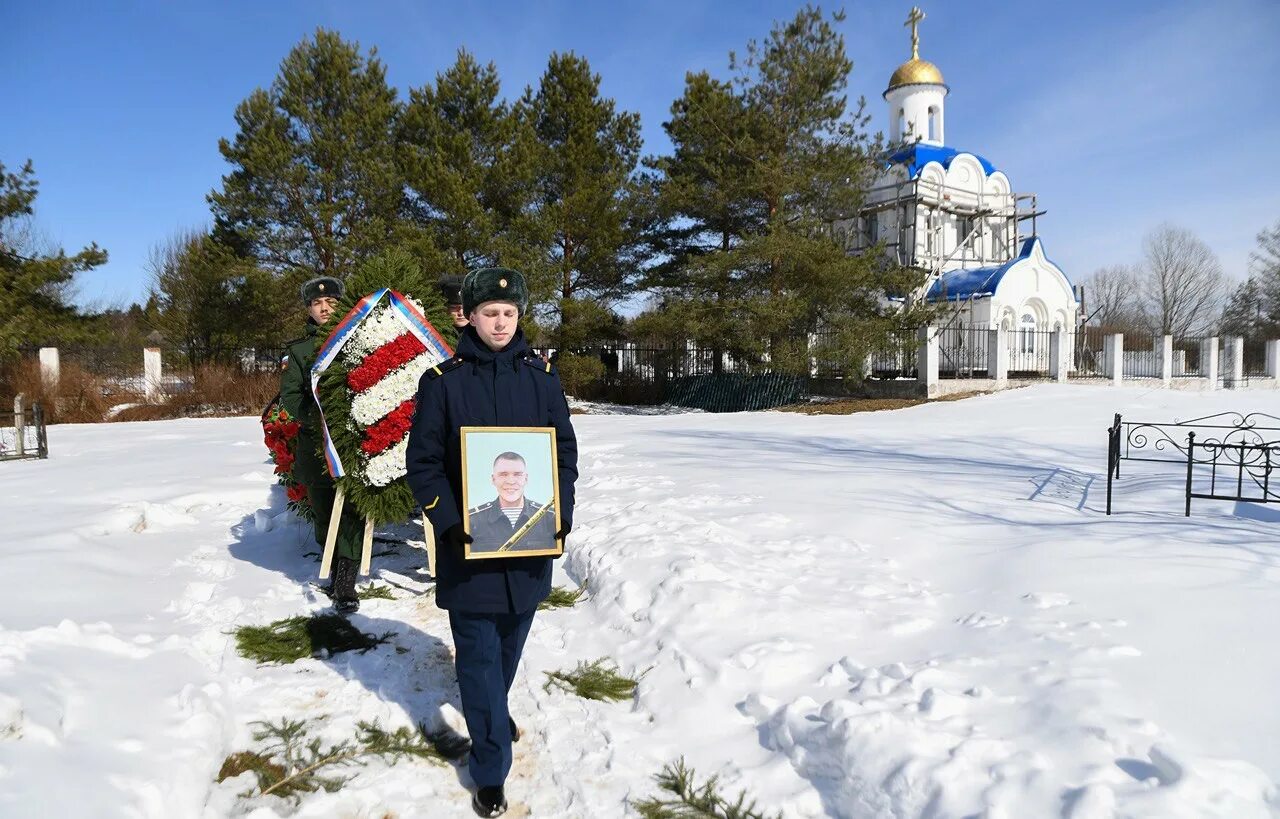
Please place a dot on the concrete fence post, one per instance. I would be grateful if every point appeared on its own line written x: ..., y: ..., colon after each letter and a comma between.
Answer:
x: 1166, y: 361
x: 50, y: 368
x: 151, y: 378
x: 1059, y: 355
x: 1113, y: 358
x: 998, y: 354
x: 927, y: 360
x: 19, y: 426
x: 1236, y: 346
x: 1273, y: 358
x: 1209, y: 361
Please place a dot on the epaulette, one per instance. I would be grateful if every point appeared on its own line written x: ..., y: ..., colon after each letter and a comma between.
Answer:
x: 295, y: 341
x: 482, y: 507
x: 537, y: 362
x: 444, y: 366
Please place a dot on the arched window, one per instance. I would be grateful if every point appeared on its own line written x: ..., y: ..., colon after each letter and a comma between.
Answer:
x: 1027, y: 329
x: 933, y: 123
x: 902, y: 123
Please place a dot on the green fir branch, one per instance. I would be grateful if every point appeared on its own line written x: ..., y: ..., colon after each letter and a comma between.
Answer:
x: 295, y: 638
x: 597, y: 680
x: 291, y: 763
x: 692, y: 801
x: 561, y: 598
x: 374, y: 591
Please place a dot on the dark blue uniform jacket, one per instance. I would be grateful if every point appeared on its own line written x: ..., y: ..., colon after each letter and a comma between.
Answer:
x: 478, y: 387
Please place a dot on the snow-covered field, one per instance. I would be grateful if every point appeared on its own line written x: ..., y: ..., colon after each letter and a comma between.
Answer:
x: 911, y: 613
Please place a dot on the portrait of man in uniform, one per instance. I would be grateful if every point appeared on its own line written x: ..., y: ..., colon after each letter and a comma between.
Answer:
x: 518, y: 516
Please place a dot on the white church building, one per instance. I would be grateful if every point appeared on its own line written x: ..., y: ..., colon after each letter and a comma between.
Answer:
x: 953, y: 214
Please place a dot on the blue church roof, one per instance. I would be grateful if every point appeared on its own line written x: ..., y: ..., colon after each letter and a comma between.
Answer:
x: 958, y: 285
x: 918, y: 154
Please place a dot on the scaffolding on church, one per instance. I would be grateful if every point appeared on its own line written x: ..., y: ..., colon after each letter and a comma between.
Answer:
x: 913, y: 198
x: 916, y: 198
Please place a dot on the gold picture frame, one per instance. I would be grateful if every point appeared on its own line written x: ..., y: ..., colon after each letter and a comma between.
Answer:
x: 514, y: 474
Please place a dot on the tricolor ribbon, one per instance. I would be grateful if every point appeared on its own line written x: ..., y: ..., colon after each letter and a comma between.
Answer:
x: 412, y: 319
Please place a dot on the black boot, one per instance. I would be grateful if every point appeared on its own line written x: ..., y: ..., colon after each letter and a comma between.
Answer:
x: 344, y: 586
x: 489, y: 801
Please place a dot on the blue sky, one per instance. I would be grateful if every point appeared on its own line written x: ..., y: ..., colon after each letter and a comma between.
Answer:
x: 1119, y: 115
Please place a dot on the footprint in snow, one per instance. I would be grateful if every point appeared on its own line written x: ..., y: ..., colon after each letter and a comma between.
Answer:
x: 1047, y: 600
x: 982, y: 619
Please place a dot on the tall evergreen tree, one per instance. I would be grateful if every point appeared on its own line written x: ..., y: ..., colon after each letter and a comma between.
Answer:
x: 1264, y: 264
x: 35, y: 286
x: 586, y: 211
x: 314, y: 182
x: 211, y: 303
x: 467, y: 161
x: 766, y: 164
x: 1245, y: 314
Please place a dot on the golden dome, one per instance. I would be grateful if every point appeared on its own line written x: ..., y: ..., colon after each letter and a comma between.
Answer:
x: 915, y: 72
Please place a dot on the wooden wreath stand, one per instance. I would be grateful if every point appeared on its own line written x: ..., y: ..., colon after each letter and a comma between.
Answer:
x: 331, y: 539
x: 366, y: 548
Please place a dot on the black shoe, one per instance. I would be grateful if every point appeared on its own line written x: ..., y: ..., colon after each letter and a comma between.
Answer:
x: 515, y: 730
x: 344, y: 595
x: 489, y: 801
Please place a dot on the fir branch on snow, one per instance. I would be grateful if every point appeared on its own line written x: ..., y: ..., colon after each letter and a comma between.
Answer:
x: 597, y: 680
x: 291, y: 762
x: 374, y: 591
x: 294, y: 638
x: 561, y: 598
x: 692, y: 801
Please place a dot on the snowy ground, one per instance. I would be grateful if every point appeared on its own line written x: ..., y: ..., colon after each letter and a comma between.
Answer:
x: 911, y: 613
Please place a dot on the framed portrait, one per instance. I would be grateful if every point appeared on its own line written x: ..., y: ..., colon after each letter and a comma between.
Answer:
x: 510, y: 491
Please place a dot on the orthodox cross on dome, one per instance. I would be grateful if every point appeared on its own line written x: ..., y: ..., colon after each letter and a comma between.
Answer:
x: 913, y: 20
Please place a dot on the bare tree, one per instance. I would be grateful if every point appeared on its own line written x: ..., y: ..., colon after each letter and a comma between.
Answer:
x: 1109, y: 299
x: 1181, y: 285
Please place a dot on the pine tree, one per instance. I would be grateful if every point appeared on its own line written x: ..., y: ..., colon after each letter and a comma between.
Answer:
x: 762, y: 168
x: 1264, y: 263
x: 467, y: 161
x: 1245, y: 314
x: 35, y: 287
x: 314, y: 181
x: 586, y: 214
x: 213, y: 304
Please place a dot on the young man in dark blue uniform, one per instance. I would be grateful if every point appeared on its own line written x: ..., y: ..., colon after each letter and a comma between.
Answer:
x: 493, y: 380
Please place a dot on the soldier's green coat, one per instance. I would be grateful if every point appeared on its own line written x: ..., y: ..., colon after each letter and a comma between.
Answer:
x: 310, y: 468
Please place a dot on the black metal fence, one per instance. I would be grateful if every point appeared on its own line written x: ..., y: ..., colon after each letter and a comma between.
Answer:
x: 1088, y: 354
x: 964, y: 352
x: 1233, y: 448
x: 1030, y: 353
x: 897, y: 357
x: 1188, y: 362
x: 23, y: 434
x: 1143, y: 355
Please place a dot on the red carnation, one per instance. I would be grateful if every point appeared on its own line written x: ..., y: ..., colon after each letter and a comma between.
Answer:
x: 390, y: 356
x: 390, y: 429
x: 297, y: 493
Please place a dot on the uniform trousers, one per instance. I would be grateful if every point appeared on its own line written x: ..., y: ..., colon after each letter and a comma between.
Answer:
x: 312, y: 471
x: 487, y: 649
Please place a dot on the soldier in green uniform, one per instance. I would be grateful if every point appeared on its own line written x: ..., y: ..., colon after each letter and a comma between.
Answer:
x: 320, y: 295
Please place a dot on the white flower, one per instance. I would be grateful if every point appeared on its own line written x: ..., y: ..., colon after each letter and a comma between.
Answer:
x: 395, y: 388
x: 379, y: 328
x: 387, y: 465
